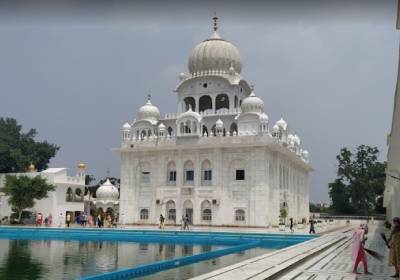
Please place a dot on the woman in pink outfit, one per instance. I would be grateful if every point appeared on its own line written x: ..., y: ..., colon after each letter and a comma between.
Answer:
x: 358, y: 248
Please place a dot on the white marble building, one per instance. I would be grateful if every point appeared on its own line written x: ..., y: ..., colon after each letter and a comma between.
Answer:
x: 391, y: 199
x: 216, y: 159
x: 67, y: 197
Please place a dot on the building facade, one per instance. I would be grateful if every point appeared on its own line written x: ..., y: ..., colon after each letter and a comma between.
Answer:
x: 391, y: 199
x: 68, y: 197
x: 216, y: 159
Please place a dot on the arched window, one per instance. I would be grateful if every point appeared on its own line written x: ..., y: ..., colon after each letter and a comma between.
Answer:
x: 240, y: 215
x: 70, y: 195
x: 170, y: 130
x: 144, y: 214
x: 78, y: 195
x: 233, y: 130
x: 190, y: 103
x: 221, y: 101
x: 188, y: 173
x: 182, y: 128
x: 206, y: 214
x: 148, y: 133
x: 205, y: 103
x: 143, y: 134
x: 236, y: 101
x: 205, y: 131
x: 206, y: 173
x: 171, y: 211
x: 171, y: 173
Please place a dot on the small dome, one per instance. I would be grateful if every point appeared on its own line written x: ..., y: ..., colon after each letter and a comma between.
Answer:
x: 219, y: 123
x: 126, y: 127
x: 264, y: 118
x: 149, y: 112
x: 161, y: 127
x: 252, y: 104
x: 305, y: 154
x: 215, y: 54
x: 81, y: 165
x: 107, y: 192
x: 282, y: 124
x: 296, y: 139
x: 182, y: 76
x: 190, y: 113
x: 275, y: 128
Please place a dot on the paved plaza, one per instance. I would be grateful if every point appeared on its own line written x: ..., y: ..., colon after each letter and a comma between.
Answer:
x: 327, y: 257
x: 336, y: 263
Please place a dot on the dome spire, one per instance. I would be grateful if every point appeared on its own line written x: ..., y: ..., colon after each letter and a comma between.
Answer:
x: 215, y: 19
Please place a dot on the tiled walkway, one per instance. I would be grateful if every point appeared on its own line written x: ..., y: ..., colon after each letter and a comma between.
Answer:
x: 337, y: 263
x: 327, y: 257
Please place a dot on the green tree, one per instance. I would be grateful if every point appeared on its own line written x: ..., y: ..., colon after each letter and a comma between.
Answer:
x: 360, y: 183
x: 23, y: 190
x: 18, y: 149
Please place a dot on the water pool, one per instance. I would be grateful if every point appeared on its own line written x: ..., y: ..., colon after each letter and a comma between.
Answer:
x: 30, y: 253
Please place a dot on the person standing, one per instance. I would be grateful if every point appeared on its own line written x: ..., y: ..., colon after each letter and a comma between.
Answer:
x: 359, y: 237
x: 394, y: 245
x: 291, y: 225
x: 312, y: 227
x: 186, y: 223
x: 68, y: 220
x: 162, y: 220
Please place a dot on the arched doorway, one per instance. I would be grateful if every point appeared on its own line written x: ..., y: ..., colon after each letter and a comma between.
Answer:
x: 205, y: 103
x: 190, y: 103
x: 233, y: 130
x: 221, y: 101
x: 188, y: 210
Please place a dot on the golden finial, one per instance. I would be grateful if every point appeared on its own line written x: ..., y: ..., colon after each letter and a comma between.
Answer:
x: 81, y: 165
x: 215, y: 18
x: 31, y: 167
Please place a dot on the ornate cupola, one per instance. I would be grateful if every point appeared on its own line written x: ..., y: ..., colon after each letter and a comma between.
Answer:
x: 149, y: 112
x: 215, y: 56
x: 252, y: 104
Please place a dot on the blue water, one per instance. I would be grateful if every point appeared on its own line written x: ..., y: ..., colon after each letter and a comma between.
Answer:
x: 30, y: 253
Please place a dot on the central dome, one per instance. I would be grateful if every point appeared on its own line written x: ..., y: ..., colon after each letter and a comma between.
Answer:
x: 149, y: 112
x: 214, y: 55
x: 107, y: 192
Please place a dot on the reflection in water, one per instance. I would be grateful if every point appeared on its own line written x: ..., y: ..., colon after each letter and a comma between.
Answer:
x: 18, y: 263
x: 189, y: 271
x: 57, y: 259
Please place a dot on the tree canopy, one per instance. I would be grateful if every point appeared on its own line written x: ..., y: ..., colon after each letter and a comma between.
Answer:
x: 359, y: 187
x: 18, y: 149
x: 23, y: 190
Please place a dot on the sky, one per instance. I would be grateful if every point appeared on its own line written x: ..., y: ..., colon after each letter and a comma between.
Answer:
x: 77, y: 70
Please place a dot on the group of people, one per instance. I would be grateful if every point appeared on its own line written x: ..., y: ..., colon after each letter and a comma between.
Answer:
x: 107, y: 221
x: 393, y: 243
x: 312, y: 226
x: 185, y: 221
x: 84, y: 220
x: 41, y: 220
